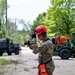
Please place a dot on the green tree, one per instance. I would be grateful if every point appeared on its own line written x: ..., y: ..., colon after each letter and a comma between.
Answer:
x: 39, y: 20
x: 2, y: 12
x: 2, y: 8
x: 60, y: 17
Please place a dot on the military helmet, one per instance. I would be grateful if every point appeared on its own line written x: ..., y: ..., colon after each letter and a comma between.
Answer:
x: 40, y: 30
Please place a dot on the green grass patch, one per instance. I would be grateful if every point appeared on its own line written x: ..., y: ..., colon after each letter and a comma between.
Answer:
x: 5, y: 54
x: 5, y: 61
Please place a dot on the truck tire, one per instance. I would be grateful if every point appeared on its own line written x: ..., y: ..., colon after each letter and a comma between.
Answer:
x: 65, y: 54
x: 9, y: 52
x: 16, y: 51
x: 1, y: 52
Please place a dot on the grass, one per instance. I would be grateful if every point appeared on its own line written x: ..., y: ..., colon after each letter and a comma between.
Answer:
x: 5, y: 54
x: 5, y: 61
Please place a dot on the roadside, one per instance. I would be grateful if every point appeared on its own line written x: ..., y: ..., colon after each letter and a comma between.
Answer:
x: 28, y: 64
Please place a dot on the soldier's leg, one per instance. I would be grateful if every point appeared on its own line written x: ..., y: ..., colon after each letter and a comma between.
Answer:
x: 50, y: 72
x: 50, y: 68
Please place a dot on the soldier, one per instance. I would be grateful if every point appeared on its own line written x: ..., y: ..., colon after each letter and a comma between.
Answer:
x: 45, y: 49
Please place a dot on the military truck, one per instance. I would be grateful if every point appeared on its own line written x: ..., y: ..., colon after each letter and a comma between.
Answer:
x: 66, y: 49
x: 9, y: 47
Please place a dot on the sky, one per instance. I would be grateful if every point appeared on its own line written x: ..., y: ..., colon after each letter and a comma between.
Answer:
x: 26, y: 9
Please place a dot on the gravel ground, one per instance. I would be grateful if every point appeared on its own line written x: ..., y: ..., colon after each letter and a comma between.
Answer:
x: 28, y: 64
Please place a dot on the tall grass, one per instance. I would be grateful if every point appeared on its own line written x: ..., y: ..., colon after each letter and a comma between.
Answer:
x: 5, y: 61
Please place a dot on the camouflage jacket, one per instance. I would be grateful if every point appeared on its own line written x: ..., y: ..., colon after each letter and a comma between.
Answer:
x: 45, y: 48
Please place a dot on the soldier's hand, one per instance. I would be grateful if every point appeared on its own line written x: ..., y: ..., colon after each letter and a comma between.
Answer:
x: 27, y: 42
x: 33, y: 35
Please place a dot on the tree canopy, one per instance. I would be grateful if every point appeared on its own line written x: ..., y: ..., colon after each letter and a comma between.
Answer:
x: 59, y: 18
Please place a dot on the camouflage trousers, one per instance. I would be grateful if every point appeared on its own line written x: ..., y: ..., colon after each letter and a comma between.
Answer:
x: 50, y: 72
x: 50, y: 68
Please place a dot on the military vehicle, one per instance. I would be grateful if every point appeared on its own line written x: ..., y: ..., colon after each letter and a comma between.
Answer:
x: 66, y: 49
x: 9, y: 47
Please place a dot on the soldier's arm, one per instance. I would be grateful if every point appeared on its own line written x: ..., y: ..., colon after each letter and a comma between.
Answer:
x: 40, y: 48
x: 43, y: 47
x: 35, y: 47
x: 50, y: 49
x: 46, y: 47
x: 32, y: 44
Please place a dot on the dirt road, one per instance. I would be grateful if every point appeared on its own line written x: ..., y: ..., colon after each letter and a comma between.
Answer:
x: 28, y: 64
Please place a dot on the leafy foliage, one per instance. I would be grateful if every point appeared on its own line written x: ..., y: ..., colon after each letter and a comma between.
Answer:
x: 59, y: 20
x: 60, y: 17
x: 39, y: 20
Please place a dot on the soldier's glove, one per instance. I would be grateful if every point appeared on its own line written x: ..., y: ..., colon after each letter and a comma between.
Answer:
x: 27, y: 42
x: 33, y: 36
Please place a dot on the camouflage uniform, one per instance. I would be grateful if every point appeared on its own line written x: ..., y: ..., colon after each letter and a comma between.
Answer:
x: 46, y: 49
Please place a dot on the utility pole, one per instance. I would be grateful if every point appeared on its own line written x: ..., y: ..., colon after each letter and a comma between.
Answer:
x: 15, y: 29
x: 15, y: 36
x: 6, y: 20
